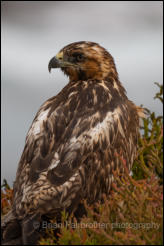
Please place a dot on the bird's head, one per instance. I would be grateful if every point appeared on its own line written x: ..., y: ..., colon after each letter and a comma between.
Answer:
x: 84, y: 60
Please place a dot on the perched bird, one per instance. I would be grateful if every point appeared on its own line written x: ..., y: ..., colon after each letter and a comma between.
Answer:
x: 74, y: 142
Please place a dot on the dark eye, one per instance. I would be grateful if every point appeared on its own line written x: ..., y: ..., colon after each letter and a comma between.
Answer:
x: 78, y: 57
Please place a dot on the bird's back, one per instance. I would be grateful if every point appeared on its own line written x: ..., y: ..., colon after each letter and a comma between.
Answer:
x: 73, y: 138
x: 75, y: 142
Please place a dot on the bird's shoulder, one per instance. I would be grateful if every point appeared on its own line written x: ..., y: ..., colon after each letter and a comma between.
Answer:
x: 82, y: 109
x: 80, y: 106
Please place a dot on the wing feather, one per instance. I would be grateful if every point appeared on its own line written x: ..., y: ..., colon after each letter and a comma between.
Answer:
x: 71, y: 138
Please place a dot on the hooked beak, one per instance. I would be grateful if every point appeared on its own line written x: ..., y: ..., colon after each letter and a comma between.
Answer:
x: 54, y: 63
x: 59, y: 62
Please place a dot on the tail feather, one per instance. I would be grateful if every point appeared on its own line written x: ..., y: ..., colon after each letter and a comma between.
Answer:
x: 10, y: 229
x: 15, y: 232
x: 31, y: 226
x: 15, y: 241
x: 141, y: 112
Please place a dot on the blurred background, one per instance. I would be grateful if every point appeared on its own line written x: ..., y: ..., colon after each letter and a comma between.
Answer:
x: 34, y: 31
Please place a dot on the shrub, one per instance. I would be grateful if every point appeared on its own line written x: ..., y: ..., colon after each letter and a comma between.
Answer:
x: 6, y: 197
x: 150, y: 153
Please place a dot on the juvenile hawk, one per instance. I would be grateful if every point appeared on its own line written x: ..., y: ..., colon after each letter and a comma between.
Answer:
x: 74, y: 142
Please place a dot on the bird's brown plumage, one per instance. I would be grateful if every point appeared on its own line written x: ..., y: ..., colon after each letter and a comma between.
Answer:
x: 76, y: 138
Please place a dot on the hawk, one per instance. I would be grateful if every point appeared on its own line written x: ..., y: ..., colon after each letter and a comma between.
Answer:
x: 74, y: 142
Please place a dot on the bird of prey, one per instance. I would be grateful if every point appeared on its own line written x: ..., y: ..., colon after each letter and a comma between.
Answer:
x: 74, y: 142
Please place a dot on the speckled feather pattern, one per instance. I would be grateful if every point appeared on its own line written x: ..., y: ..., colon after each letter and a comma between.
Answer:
x: 76, y: 138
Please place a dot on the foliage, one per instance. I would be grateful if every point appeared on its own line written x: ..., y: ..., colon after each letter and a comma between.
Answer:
x: 6, y: 197
x: 150, y: 154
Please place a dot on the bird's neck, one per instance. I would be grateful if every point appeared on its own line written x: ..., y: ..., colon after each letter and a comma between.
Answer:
x: 100, y: 75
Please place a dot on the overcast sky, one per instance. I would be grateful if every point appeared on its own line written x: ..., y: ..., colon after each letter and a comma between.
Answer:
x: 34, y: 31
